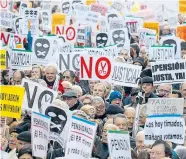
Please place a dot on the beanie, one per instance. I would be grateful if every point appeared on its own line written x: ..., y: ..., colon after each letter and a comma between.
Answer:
x: 114, y: 109
x: 25, y: 136
x: 140, y: 60
x: 114, y: 95
x: 147, y: 79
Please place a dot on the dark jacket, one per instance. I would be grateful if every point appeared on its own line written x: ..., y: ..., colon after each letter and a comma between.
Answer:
x: 152, y: 95
x: 77, y: 106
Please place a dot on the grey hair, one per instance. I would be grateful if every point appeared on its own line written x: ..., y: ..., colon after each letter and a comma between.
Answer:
x: 97, y: 99
x: 181, y: 151
x: 166, y: 84
x: 119, y: 116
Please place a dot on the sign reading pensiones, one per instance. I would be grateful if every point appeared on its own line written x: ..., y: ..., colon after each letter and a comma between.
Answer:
x: 158, y: 106
x: 36, y: 96
x: 168, y: 128
x: 82, y: 133
x: 161, y: 53
x: 172, y: 71
x: 116, y: 138
x: 21, y: 59
x: 11, y: 98
x: 60, y: 122
x: 40, y: 134
x: 124, y: 74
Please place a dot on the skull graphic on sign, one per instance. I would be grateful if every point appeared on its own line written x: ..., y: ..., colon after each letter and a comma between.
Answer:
x: 41, y: 48
x: 118, y: 37
x: 66, y: 7
x: 101, y: 39
x: 111, y: 17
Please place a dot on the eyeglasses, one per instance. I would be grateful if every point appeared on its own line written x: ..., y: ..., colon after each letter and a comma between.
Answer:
x: 163, y: 90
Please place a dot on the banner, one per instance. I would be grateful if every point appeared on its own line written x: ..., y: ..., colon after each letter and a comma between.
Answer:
x: 3, y: 60
x: 11, y: 98
x: 82, y: 133
x: 119, y: 144
x: 6, y: 19
x: 169, y: 72
x: 159, y: 106
x: 36, y: 96
x: 125, y: 74
x: 153, y: 26
x: 167, y: 128
x: 161, y: 53
x: 172, y: 41
x: 59, y: 125
x: 21, y: 59
x: 40, y: 129
x: 182, y: 6
x: 58, y: 19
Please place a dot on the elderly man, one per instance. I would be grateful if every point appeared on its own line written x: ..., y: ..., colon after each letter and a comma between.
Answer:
x: 130, y: 114
x: 140, y: 142
x: 67, y: 86
x: 69, y: 76
x: 17, y: 77
x: 164, y: 90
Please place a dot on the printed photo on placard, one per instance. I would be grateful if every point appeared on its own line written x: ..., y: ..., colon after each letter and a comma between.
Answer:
x: 66, y: 7
x: 17, y: 25
x: 102, y: 39
x: 22, y: 7
x: 46, y: 20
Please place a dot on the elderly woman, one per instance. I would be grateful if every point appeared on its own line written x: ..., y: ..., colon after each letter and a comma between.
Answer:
x: 36, y: 72
x: 86, y: 99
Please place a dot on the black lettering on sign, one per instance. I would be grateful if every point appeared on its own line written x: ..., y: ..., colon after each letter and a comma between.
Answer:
x: 30, y: 99
x: 63, y: 61
x: 76, y: 62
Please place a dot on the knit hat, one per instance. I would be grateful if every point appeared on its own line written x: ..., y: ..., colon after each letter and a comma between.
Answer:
x: 147, y: 79
x: 114, y: 109
x: 25, y: 136
x: 146, y: 72
x: 114, y: 95
x: 140, y: 60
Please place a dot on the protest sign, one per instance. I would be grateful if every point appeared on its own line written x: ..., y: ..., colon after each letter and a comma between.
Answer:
x: 111, y: 51
x: 132, y: 25
x: 81, y: 133
x: 45, y: 49
x: 11, y: 101
x: 6, y: 19
x: 3, y: 59
x: 142, y: 32
x: 89, y: 2
x: 153, y: 26
x: 172, y: 71
x: 94, y: 67
x: 103, y: 24
x: 3, y: 126
x: 125, y: 74
x: 30, y: 15
x: 22, y: 7
x: 21, y: 59
x: 81, y: 37
x: 118, y: 6
x: 173, y: 41
x: 99, y: 8
x: 139, y: 21
x: 69, y: 61
x: 65, y: 48
x: 116, y: 24
x: 40, y: 129
x: 36, y: 96
x: 17, y: 25
x: 4, y: 4
x: 182, y: 7
x: 181, y: 32
x: 150, y: 39
x: 58, y: 19
x: 167, y: 128
x: 60, y: 122
x: 159, y: 106
x: 119, y: 144
x: 66, y: 7
x: 161, y: 53
x: 3, y: 154
x: 46, y: 20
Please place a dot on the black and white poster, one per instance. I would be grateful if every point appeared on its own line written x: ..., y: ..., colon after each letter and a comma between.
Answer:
x: 45, y: 49
x: 102, y: 39
x: 6, y: 19
x: 46, y: 20
x: 37, y: 96
x: 22, y: 7
x: 17, y: 25
x: 60, y: 122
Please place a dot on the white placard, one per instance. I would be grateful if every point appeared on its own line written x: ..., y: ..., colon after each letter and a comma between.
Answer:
x: 116, y: 138
x: 150, y: 39
x: 81, y: 133
x: 40, y: 134
x: 158, y: 106
x: 36, y: 96
x: 167, y: 128
x: 6, y: 19
x: 46, y: 20
x: 169, y: 72
x: 21, y: 59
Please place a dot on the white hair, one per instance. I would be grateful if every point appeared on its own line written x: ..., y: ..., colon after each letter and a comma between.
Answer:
x: 60, y: 104
x: 97, y: 99
x: 52, y: 65
x: 77, y: 89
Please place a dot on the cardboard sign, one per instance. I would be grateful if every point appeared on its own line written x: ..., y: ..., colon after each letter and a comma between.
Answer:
x: 58, y: 19
x: 32, y: 15
x: 59, y: 125
x: 167, y: 128
x: 45, y: 49
x: 142, y: 32
x: 99, y: 8
x: 4, y: 5
x: 150, y: 39
x: 173, y: 41
x: 46, y: 20
x: 181, y: 32
x: 153, y: 26
x: 11, y: 101
x: 158, y: 106
x: 21, y: 59
x: 125, y: 74
x: 182, y: 6
x: 69, y: 61
x: 36, y: 96
x: 94, y: 68
x: 6, y: 19
x: 81, y: 133
x: 3, y: 59
x: 40, y: 134
x: 116, y: 138
x: 169, y: 72
x: 161, y: 53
